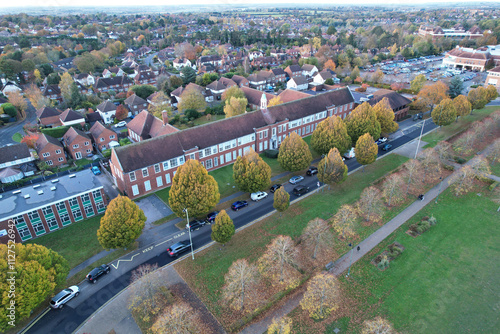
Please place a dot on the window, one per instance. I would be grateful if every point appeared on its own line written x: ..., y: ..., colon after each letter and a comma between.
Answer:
x: 209, y: 163
x: 77, y: 214
x: 52, y: 223
x: 165, y: 165
x: 112, y: 137
x: 58, y: 151
x: 173, y: 163
x: 274, y: 132
x: 33, y: 215
x: 73, y: 202
x: 135, y: 190
x: 89, y: 210
x: 49, y: 162
x: 78, y: 155
x: 47, y: 211
x: 181, y: 160
x: 102, y: 139
x: 100, y: 206
x: 88, y: 151
x: 221, y: 159
x: 61, y: 206
x: 260, y: 146
x: 38, y: 228
x: 131, y: 175
x: 308, y: 129
x: 145, y: 172
x: 167, y: 178
x: 261, y: 135
x: 157, y: 168
x: 147, y: 185
x: 60, y: 159
x: 85, y: 198
x: 192, y: 156
x: 46, y: 154
x: 97, y: 195
x: 279, y: 128
x: 265, y: 134
x: 159, y: 181
x: 208, y: 151
x: 23, y: 231
x: 216, y: 161
x: 86, y: 143
x: 75, y: 146
x: 228, y: 157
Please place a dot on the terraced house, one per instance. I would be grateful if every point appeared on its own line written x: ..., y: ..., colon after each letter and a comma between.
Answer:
x: 150, y: 165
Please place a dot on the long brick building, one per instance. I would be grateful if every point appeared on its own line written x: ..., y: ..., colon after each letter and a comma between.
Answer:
x: 150, y: 165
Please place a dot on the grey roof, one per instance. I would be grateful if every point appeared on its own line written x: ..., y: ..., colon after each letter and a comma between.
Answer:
x: 12, y: 205
x: 396, y: 100
x: 300, y: 80
x: 14, y: 152
x: 69, y: 115
x: 134, y: 100
x: 106, y: 106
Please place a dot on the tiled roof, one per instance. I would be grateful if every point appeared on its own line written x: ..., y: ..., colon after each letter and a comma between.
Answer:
x: 291, y: 95
x: 106, y: 106
x: 14, y: 152
x: 134, y: 100
x: 240, y: 81
x: 148, y: 126
x: 46, y: 112
x: 72, y: 134
x: 43, y: 140
x: 395, y: 100
x: 97, y: 129
x: 70, y: 115
x: 300, y: 80
x: 254, y: 95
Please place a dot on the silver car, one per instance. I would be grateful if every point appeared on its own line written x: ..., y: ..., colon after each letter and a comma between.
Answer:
x: 296, y: 179
x: 64, y: 296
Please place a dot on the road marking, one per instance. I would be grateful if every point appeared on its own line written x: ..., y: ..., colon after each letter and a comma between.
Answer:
x: 118, y: 263
x: 147, y: 249
x: 35, y: 321
x: 163, y: 242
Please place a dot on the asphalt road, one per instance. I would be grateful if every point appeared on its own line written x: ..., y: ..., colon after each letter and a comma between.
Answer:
x: 93, y: 296
x: 8, y: 131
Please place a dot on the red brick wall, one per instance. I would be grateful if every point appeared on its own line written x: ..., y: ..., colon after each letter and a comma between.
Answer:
x: 82, y: 148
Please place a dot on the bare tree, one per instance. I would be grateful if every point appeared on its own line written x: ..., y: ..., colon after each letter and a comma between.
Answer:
x: 463, y: 179
x: 318, y: 231
x: 370, y: 204
x: 179, y: 318
x: 378, y: 326
x: 444, y: 151
x: 344, y: 219
x: 494, y: 152
x: 241, y: 280
x: 430, y: 164
x: 412, y: 176
x: 279, y: 262
x: 321, y: 296
x: 465, y: 143
x: 393, y: 189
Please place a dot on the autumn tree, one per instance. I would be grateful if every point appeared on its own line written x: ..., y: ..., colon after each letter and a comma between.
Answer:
x: 122, y: 223
x: 417, y: 83
x: 431, y: 165
x: 279, y: 262
x: 235, y: 106
x: 281, y: 200
x: 362, y: 120
x: 30, y: 140
x: 491, y: 93
x: 233, y: 91
x: 377, y: 326
x: 223, y: 228
x: 318, y: 233
x: 330, y: 133
x: 343, y: 221
x: 413, y: 176
x: 462, y: 105
x: 294, y: 153
x: 159, y: 104
x: 494, y: 151
x: 385, y: 116
x: 38, y: 271
x: 463, y: 179
x: 65, y: 87
x: 241, y: 281
x: 378, y: 76
x: 332, y: 169
x: 274, y: 101
x: 444, y: 151
x: 179, y: 318
x: 121, y: 112
x: 321, y: 296
x: 444, y: 113
x: 329, y: 64
x: 366, y: 150
x: 251, y: 173
x: 282, y: 325
x: 370, y: 204
x: 18, y: 101
x: 430, y: 95
x: 191, y: 98
x: 477, y: 98
x: 193, y: 189
x: 465, y: 143
x: 393, y: 189
x: 34, y: 94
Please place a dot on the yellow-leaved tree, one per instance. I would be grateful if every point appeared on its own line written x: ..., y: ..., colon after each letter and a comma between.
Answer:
x: 321, y: 296
x: 241, y: 281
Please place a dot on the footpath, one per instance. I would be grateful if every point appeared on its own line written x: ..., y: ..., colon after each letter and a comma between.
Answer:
x: 351, y: 257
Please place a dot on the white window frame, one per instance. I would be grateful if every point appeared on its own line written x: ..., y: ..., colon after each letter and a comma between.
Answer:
x: 145, y: 172
x: 157, y: 168
x: 132, y: 177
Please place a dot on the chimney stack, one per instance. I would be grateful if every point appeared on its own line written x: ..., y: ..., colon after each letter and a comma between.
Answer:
x: 164, y: 117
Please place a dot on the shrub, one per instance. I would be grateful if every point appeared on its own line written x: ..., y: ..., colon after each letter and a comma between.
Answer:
x: 432, y: 221
x: 423, y: 226
x: 425, y: 218
x: 106, y: 153
x: 273, y: 154
x: 448, y: 167
x: 9, y: 109
x: 460, y: 160
x: 192, y: 114
x: 384, y: 263
x: 493, y: 186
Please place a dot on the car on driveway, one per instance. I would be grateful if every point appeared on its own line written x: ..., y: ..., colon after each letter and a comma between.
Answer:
x: 300, y: 190
x: 238, y: 205
x: 296, y: 179
x: 176, y: 249
x: 275, y: 187
x: 211, y: 217
x: 312, y: 171
x: 386, y: 147
x: 64, y: 296
x: 120, y: 124
x: 98, y: 272
x: 257, y: 196
x: 195, y: 224
x: 96, y: 170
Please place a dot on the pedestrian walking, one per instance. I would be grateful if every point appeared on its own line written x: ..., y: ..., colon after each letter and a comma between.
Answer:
x: 358, y: 248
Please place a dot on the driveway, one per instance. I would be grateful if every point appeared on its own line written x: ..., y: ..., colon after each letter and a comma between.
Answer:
x: 155, y: 209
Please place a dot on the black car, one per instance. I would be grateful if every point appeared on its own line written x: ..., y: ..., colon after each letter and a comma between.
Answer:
x: 311, y: 171
x: 275, y: 187
x: 211, y: 217
x: 239, y: 205
x: 195, y: 224
x: 97, y: 272
x: 300, y: 190
x: 176, y: 249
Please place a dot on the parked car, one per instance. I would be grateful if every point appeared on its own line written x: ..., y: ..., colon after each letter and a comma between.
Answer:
x: 98, y: 272
x: 300, y: 190
x: 176, y: 249
x: 120, y: 124
x: 296, y: 179
x: 275, y: 187
x: 211, y: 217
x: 64, y: 296
x: 96, y: 170
x: 195, y: 224
x: 382, y: 139
x: 239, y: 205
x: 258, y: 195
x: 386, y: 147
x: 312, y: 171
x: 350, y: 154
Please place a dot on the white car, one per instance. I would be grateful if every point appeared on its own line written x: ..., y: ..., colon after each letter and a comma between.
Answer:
x: 120, y: 124
x: 383, y: 139
x: 64, y: 296
x: 258, y: 195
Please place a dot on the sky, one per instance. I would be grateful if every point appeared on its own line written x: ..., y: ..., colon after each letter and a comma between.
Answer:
x: 97, y: 3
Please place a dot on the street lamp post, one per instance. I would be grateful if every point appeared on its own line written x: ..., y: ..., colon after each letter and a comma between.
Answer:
x: 416, y: 152
x: 439, y: 191
x: 189, y: 230
x: 350, y: 261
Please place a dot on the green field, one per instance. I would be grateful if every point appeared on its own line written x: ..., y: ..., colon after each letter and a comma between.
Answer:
x: 446, y: 281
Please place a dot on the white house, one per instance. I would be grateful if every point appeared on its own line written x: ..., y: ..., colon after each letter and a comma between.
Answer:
x: 309, y: 70
x: 85, y: 79
x: 298, y: 83
x: 107, y: 110
x: 321, y: 77
x: 179, y: 63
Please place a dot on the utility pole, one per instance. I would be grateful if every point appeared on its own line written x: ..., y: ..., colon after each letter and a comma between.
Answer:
x: 189, y: 230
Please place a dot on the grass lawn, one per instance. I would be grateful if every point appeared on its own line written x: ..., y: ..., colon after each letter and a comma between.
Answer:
x: 17, y: 137
x: 206, y: 274
x: 446, y: 281
x: 82, y: 162
x: 76, y: 242
x: 203, y: 119
x: 448, y: 131
x: 495, y: 169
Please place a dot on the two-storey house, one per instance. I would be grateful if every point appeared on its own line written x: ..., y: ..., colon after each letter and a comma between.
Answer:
x: 50, y: 150
x: 102, y: 136
x: 107, y: 110
x: 48, y: 116
x: 71, y: 117
x: 77, y: 143
x: 135, y: 104
x: 145, y: 126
